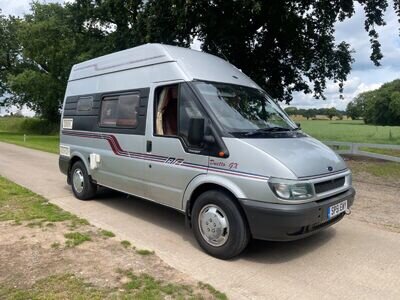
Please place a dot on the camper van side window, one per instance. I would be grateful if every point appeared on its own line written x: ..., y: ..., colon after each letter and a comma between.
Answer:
x: 188, y: 109
x: 120, y: 111
x: 84, y: 104
x: 166, y: 118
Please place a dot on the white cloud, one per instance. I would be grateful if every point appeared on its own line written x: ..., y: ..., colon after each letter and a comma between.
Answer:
x: 364, y: 75
x: 21, y: 7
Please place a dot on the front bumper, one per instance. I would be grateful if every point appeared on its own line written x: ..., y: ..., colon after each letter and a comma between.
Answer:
x: 285, y: 222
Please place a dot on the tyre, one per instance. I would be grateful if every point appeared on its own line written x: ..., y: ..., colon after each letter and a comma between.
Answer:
x: 82, y: 186
x: 219, y: 225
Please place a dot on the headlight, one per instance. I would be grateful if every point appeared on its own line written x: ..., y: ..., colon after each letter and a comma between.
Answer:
x: 287, y: 190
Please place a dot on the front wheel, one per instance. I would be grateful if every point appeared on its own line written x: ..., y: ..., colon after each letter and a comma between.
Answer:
x: 82, y: 186
x: 218, y: 225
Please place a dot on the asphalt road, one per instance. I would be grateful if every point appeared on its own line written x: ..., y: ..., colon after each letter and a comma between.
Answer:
x: 351, y: 260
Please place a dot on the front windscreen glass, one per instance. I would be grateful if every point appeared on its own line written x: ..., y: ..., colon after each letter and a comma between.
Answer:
x: 244, y: 110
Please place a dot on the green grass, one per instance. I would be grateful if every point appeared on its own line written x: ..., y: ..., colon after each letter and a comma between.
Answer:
x: 27, y: 125
x: 58, y: 287
x: 351, y: 131
x: 144, y: 252
x: 48, y: 143
x: 20, y: 204
x: 140, y: 287
x: 144, y: 286
x: 39, y: 134
x: 390, y: 152
x: 126, y: 244
x: 76, y: 238
x: 390, y: 170
x: 107, y: 234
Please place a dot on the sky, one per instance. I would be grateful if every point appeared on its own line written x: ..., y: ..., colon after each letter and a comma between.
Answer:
x: 364, y: 75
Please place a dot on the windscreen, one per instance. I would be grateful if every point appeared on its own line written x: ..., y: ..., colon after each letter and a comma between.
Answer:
x: 243, y: 109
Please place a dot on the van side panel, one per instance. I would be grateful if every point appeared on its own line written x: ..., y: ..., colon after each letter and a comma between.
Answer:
x: 122, y: 164
x: 118, y: 167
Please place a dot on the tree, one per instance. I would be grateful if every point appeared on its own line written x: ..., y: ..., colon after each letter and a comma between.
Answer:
x: 46, y: 47
x: 309, y: 113
x: 331, y: 112
x: 285, y: 46
x: 9, y: 51
x: 291, y: 111
x: 352, y: 111
x: 382, y: 106
x: 115, y: 21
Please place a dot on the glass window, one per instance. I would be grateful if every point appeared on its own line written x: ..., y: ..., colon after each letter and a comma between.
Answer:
x: 166, y: 119
x: 120, y: 111
x: 242, y: 109
x: 188, y: 109
x: 85, y: 104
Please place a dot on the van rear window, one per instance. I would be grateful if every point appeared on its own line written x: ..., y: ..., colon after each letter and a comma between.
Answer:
x: 120, y: 111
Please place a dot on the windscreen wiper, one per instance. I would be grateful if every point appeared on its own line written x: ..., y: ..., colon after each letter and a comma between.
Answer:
x: 266, y: 130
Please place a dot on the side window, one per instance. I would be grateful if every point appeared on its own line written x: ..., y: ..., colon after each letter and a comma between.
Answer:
x: 173, y: 113
x: 188, y: 109
x: 84, y: 104
x: 119, y: 111
x: 166, y: 111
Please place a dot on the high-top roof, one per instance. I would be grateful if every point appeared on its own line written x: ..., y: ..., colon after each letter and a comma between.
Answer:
x: 193, y: 64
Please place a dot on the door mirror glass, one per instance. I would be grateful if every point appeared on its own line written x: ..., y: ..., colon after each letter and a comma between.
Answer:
x: 196, y: 131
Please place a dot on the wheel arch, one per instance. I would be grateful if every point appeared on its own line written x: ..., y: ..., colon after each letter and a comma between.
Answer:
x: 204, y: 183
x: 74, y: 158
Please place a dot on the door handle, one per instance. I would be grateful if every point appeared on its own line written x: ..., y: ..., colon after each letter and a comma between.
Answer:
x: 149, y: 146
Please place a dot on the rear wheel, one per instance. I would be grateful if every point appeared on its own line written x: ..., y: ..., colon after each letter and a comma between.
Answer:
x: 218, y: 225
x: 82, y: 186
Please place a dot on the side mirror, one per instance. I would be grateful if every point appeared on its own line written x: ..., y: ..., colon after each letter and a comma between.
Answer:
x: 298, y: 125
x: 196, y: 131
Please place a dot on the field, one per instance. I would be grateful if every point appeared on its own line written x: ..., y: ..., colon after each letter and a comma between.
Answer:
x: 30, y: 133
x: 351, y: 131
x: 48, y: 143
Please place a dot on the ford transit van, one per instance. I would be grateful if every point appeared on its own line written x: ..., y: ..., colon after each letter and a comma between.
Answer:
x: 190, y: 131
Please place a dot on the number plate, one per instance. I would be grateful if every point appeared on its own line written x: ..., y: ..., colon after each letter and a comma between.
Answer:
x: 336, y: 209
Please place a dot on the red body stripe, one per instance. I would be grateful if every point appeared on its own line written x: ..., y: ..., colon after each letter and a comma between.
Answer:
x: 116, y: 148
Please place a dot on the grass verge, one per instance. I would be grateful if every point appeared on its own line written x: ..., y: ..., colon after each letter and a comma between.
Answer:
x: 60, y: 278
x: 142, y: 287
x: 76, y: 238
x: 20, y: 204
x: 47, y: 143
x: 390, y: 152
x: 388, y: 170
x: 107, y: 234
x: 30, y: 132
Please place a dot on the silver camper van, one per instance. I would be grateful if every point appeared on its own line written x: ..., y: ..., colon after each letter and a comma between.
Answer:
x: 190, y: 131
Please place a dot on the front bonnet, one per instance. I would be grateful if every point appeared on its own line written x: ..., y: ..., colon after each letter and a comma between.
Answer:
x: 303, y: 156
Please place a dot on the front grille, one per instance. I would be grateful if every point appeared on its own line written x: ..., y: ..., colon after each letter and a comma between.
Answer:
x: 325, y: 186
